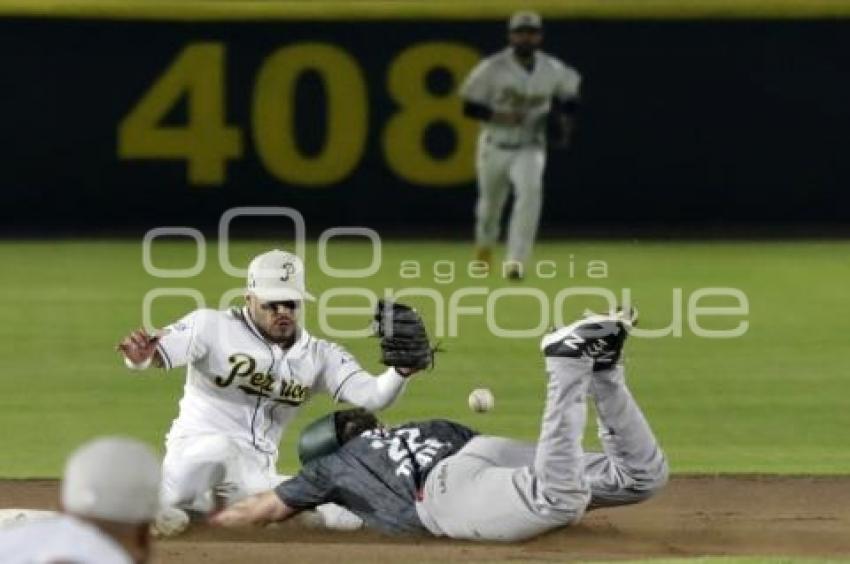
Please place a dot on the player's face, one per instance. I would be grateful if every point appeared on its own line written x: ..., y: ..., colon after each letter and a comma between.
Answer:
x: 277, y: 320
x: 525, y: 40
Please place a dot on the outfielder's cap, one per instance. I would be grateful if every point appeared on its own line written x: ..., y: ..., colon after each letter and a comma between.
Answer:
x: 525, y: 19
x: 277, y: 276
x: 114, y: 479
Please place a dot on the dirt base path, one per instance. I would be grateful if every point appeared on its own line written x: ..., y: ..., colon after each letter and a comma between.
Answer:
x: 699, y: 515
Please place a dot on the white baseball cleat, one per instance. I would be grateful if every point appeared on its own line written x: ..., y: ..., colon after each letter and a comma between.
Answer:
x: 169, y: 522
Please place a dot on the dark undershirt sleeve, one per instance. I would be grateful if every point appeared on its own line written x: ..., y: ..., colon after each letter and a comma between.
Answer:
x: 475, y: 110
x: 311, y: 487
x: 568, y: 106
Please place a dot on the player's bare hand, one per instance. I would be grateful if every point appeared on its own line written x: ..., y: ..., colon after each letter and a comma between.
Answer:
x: 405, y: 372
x: 260, y: 509
x: 139, y: 346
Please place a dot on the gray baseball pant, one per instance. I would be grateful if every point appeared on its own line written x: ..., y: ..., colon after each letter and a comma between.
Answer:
x: 507, y: 490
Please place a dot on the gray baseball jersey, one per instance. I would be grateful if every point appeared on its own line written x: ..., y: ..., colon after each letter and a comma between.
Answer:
x: 378, y: 475
x: 502, y: 84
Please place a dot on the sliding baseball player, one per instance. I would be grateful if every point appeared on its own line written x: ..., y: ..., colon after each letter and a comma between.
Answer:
x: 442, y: 478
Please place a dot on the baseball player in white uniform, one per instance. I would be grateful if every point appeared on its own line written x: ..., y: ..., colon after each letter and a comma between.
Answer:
x: 109, y: 497
x: 249, y: 371
x: 517, y: 94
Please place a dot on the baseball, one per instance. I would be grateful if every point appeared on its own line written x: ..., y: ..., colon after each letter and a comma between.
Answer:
x: 481, y: 400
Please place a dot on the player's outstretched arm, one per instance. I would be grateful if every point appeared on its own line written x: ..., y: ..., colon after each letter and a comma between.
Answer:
x: 405, y: 348
x: 373, y: 393
x: 139, y: 350
x: 259, y: 509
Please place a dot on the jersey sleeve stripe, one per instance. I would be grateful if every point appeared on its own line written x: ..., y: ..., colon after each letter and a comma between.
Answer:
x: 343, y: 382
x: 164, y: 356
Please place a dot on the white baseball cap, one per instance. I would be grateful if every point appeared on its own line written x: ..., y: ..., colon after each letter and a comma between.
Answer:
x: 525, y: 18
x: 112, y: 478
x: 277, y: 276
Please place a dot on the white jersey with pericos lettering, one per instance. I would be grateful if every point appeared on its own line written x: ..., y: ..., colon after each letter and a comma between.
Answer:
x: 59, y: 539
x: 242, y: 386
x: 504, y: 85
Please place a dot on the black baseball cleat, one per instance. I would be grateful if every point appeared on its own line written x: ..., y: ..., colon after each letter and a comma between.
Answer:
x: 609, y: 358
x: 514, y: 274
x: 600, y: 337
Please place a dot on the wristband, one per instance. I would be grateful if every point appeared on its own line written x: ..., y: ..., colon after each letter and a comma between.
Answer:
x: 140, y: 366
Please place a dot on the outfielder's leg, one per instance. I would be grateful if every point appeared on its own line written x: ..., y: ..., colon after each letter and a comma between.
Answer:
x: 526, y: 174
x: 480, y: 493
x: 633, y: 467
x: 493, y: 189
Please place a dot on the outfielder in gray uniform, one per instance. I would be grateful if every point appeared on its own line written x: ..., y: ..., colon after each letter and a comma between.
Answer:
x: 441, y: 477
x: 523, y: 98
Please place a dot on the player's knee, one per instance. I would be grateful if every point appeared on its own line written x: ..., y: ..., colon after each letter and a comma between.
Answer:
x: 650, y: 482
x: 530, y: 187
x: 661, y: 476
x: 488, y: 207
x: 563, y: 502
x: 530, y: 200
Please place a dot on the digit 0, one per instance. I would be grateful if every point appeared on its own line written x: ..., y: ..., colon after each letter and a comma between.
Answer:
x: 403, y: 136
x: 273, y: 114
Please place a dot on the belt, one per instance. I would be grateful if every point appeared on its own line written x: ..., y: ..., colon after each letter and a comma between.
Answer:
x: 507, y: 146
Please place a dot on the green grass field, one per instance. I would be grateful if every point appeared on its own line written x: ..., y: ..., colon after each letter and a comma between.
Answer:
x: 774, y: 400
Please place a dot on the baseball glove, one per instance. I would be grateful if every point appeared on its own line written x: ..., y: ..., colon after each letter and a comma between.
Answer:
x: 404, y: 338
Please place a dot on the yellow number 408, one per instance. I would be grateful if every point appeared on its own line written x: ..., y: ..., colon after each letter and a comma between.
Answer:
x: 206, y: 142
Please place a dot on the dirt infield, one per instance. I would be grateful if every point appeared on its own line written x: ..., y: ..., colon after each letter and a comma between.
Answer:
x: 697, y: 515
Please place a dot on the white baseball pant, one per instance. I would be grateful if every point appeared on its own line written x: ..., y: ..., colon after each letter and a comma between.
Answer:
x: 507, y: 490
x: 498, y: 169
x: 197, y: 469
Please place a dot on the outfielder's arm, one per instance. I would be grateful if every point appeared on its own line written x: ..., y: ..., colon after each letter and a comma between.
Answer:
x: 476, y: 92
x: 483, y: 112
x: 564, y: 106
x: 561, y: 121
